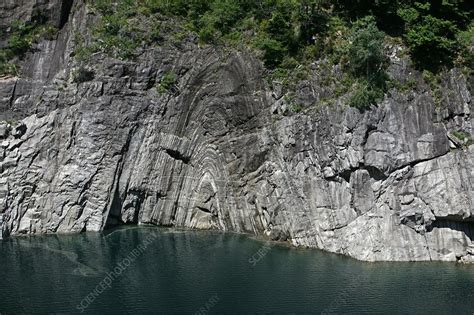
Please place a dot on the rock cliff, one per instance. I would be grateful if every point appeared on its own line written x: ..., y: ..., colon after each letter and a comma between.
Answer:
x: 220, y: 151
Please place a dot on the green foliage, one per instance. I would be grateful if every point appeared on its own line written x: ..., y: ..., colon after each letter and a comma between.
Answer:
x: 84, y: 52
x: 431, y: 32
x: 464, y: 137
x: 293, y: 107
x: 460, y: 135
x: 430, y: 28
x: 434, y: 82
x: 407, y: 85
x: 365, y: 95
x: 273, y: 51
x: 432, y: 41
x: 367, y: 63
x: 207, y: 33
x: 437, y: 32
x: 115, y: 35
x: 312, y: 20
x: 167, y: 83
x: 123, y: 27
x: 365, y: 54
x: 466, y: 42
x: 223, y: 14
x: 7, y: 67
x: 384, y: 11
x: 291, y: 34
x: 20, y: 39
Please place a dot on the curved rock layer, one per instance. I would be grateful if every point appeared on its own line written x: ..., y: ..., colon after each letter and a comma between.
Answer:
x: 391, y: 183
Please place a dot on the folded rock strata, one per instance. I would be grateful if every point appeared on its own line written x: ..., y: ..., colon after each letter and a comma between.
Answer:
x: 390, y: 183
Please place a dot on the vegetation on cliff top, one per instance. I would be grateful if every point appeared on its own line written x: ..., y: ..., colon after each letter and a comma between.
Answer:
x: 288, y: 33
x: 285, y: 33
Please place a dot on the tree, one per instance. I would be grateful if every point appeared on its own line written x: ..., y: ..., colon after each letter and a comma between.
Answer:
x: 367, y: 63
x: 384, y: 12
x: 366, y: 56
x: 313, y: 19
x: 433, y: 31
x: 273, y: 52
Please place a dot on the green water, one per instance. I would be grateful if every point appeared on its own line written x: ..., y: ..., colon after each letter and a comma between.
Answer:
x: 184, y: 272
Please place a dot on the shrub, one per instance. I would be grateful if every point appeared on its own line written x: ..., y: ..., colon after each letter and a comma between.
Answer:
x: 8, y: 68
x: 167, y: 83
x: 273, y: 51
x: 280, y: 28
x: 155, y: 34
x: 313, y: 20
x: 295, y: 108
x: 367, y: 63
x: 225, y: 13
x: 207, y: 34
x: 20, y: 38
x: 464, y: 137
x: 430, y: 35
x: 466, y: 41
x: 366, y: 56
x: 365, y: 95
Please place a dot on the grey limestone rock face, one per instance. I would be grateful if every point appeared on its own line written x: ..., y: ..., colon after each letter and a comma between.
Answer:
x: 383, y: 184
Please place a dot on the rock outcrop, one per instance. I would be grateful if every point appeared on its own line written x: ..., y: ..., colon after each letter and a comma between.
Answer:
x: 218, y: 152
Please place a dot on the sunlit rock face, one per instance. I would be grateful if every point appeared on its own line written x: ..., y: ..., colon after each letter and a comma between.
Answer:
x: 218, y: 151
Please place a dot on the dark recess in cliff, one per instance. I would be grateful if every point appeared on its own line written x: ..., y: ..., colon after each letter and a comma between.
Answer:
x: 65, y: 12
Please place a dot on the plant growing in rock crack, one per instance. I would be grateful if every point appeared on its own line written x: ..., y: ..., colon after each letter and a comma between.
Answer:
x: 167, y: 83
x: 405, y: 86
x: 434, y: 82
x: 292, y: 105
x: 464, y: 137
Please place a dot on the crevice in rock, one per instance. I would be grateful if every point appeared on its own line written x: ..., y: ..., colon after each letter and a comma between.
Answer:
x: 369, y: 129
x: 175, y: 204
x: 374, y: 173
x: 113, y: 218
x: 65, y: 12
x: 72, y: 136
x: 117, y: 201
x: 177, y: 155
x: 414, y: 163
x: 428, y: 247
x: 378, y: 174
x: 12, y: 97
x: 203, y: 209
x: 346, y: 174
x: 33, y: 158
x: 337, y: 227
x: 140, y: 199
x: 19, y: 131
x: 455, y: 218
x: 82, y: 195
x: 467, y: 227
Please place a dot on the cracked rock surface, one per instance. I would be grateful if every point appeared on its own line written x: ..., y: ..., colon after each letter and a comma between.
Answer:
x: 390, y: 183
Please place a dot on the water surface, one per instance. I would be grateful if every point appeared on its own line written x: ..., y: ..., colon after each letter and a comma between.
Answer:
x: 186, y: 271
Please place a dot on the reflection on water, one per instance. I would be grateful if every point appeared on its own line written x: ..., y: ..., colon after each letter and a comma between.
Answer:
x: 185, y: 271
x: 81, y: 269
